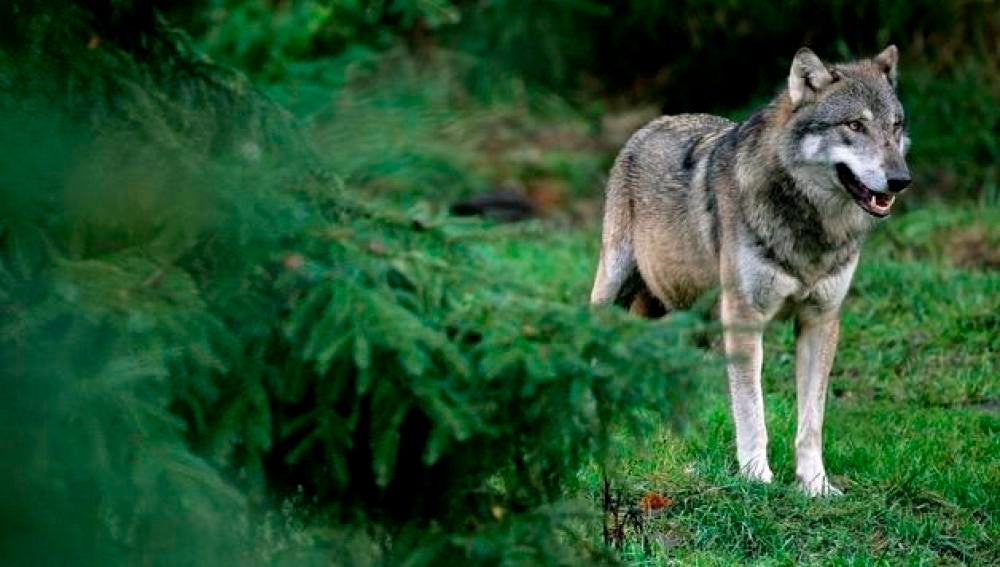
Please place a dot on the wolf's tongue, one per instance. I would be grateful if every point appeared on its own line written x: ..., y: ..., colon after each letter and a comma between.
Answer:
x: 878, y: 201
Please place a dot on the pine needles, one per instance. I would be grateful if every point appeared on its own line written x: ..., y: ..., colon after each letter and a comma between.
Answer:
x: 200, y: 321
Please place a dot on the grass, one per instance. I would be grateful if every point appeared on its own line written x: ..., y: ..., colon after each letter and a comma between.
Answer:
x: 912, y: 430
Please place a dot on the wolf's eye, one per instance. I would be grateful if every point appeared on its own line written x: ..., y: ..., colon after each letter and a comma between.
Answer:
x: 856, y: 125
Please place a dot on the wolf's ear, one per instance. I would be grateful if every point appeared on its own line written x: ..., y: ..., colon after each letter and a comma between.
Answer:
x: 808, y: 76
x: 887, y: 61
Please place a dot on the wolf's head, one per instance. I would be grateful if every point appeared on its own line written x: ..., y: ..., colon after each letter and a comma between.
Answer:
x: 846, y: 131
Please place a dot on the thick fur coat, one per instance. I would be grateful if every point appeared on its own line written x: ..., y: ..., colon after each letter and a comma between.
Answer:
x: 774, y: 210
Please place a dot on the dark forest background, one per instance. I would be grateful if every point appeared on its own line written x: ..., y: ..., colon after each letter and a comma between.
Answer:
x: 240, y: 323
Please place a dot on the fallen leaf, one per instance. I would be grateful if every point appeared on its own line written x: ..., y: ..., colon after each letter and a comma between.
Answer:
x: 651, y: 501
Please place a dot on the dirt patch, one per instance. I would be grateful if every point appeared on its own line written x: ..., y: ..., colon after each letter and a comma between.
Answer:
x: 974, y: 247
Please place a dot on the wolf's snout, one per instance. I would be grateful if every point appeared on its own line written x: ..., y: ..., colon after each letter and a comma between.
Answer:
x: 899, y: 181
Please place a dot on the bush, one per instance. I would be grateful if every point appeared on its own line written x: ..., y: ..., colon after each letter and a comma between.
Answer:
x: 201, y: 323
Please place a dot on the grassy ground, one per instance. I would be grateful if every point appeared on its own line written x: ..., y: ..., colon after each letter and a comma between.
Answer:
x: 913, y: 415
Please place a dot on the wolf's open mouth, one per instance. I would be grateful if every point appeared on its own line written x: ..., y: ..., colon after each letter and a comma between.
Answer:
x: 875, y: 204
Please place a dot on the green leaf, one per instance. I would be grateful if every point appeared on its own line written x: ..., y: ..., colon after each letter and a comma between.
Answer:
x: 386, y: 420
x: 437, y: 443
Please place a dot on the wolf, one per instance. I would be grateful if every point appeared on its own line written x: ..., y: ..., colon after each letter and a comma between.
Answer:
x: 773, y: 210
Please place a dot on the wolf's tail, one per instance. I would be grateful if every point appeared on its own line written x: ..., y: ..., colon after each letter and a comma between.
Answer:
x: 617, y: 279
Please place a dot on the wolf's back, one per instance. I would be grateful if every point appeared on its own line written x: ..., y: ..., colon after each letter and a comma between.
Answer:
x: 662, y: 155
x: 658, y: 212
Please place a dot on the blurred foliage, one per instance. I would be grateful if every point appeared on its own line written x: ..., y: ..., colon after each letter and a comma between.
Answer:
x: 684, y: 56
x: 267, y: 38
x: 204, y: 324
x: 683, y: 52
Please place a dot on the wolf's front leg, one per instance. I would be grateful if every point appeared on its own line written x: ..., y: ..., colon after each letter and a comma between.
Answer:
x: 743, y: 334
x: 815, y: 347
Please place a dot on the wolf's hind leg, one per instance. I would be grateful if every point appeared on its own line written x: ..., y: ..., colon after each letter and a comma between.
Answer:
x: 645, y: 304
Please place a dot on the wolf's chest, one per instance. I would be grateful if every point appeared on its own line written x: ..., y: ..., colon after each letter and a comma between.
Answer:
x: 775, y: 282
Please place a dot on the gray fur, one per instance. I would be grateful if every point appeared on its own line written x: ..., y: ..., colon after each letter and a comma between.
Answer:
x: 774, y: 209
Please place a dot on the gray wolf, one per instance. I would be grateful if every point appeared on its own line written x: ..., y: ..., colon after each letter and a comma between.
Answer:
x: 774, y: 210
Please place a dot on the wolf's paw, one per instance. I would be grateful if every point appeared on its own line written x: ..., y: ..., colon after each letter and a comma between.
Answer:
x: 758, y: 471
x: 819, y: 487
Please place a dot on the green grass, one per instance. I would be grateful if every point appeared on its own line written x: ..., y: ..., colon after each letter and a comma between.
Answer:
x: 912, y: 430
